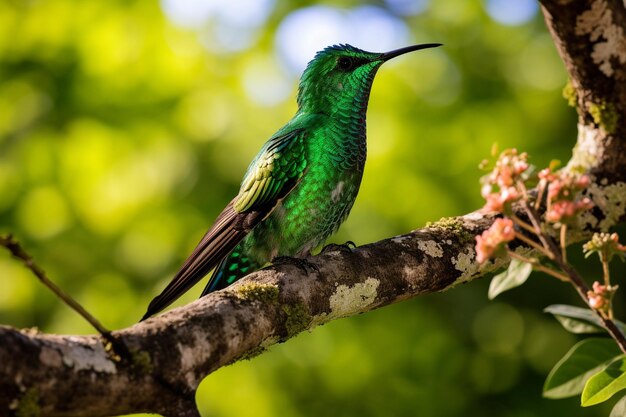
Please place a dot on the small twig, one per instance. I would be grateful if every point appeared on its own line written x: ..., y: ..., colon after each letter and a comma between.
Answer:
x: 582, y: 288
x: 538, y: 267
x: 610, y: 303
x: 563, y: 242
x: 18, y: 252
x: 605, y: 270
x: 522, y: 187
x: 522, y: 223
x: 574, y: 278
x: 532, y: 244
x: 552, y: 272
x: 532, y: 216
x: 541, y: 189
x: 607, y: 282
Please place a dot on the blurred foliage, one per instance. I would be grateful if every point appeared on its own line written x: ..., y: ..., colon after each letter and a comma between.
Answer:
x: 123, y: 134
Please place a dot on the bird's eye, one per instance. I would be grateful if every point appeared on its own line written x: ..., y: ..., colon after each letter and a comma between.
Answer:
x: 345, y: 63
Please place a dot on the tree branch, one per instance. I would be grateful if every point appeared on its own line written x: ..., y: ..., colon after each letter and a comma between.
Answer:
x: 590, y: 36
x: 172, y: 353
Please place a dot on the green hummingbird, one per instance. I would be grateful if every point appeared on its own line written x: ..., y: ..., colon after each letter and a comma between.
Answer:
x: 301, y: 185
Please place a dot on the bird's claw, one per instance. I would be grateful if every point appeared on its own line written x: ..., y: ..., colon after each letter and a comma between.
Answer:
x: 301, y: 263
x: 346, y: 247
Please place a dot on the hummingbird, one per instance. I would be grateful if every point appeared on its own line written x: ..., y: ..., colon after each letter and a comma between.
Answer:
x: 303, y: 182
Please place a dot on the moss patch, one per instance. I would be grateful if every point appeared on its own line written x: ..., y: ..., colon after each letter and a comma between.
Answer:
x: 252, y: 353
x: 142, y: 360
x: 455, y: 225
x: 569, y: 94
x: 298, y: 318
x: 605, y: 115
x: 265, y: 293
x: 29, y: 404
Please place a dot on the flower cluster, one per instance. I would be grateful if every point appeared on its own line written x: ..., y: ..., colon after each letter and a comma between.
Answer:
x: 494, y: 239
x: 606, y: 245
x: 501, y: 186
x: 563, y: 189
x: 560, y: 191
x: 600, y: 297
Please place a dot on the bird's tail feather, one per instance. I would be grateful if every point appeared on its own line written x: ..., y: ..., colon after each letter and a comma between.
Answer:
x: 227, y: 231
x: 229, y: 270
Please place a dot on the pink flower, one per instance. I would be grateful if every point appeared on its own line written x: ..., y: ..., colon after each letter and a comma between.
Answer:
x: 494, y: 238
x: 554, y: 189
x: 520, y: 166
x: 600, y: 297
x: 583, y: 182
x: 565, y: 209
x: 504, y: 176
x: 507, y: 177
x: 504, y: 229
x: 559, y: 210
x: 483, y: 249
x: 564, y: 185
x: 595, y: 301
x: 618, y: 246
x: 485, y: 190
x: 497, y: 201
x: 599, y: 289
x: 509, y: 167
x: 494, y: 202
x: 509, y: 194
x: 546, y: 174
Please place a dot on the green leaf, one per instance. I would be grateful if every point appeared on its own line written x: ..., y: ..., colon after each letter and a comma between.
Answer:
x: 619, y: 409
x: 576, y: 319
x: 584, y: 359
x: 516, y: 274
x: 605, y: 383
x: 578, y: 326
x: 579, y: 320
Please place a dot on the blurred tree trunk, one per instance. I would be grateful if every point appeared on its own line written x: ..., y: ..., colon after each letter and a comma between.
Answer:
x: 166, y: 357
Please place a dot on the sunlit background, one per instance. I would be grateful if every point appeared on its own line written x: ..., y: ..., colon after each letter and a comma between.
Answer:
x: 126, y: 126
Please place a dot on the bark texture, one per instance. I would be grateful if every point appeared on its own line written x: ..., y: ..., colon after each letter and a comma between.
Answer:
x: 167, y: 356
x: 590, y: 36
x: 170, y: 354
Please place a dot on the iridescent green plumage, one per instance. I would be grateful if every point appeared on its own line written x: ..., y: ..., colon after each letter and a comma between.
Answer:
x: 301, y: 185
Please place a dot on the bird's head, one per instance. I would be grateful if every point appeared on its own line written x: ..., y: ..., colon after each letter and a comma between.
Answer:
x: 343, y: 74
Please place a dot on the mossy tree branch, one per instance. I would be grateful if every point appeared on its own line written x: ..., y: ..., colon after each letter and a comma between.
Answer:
x: 590, y: 36
x: 170, y: 354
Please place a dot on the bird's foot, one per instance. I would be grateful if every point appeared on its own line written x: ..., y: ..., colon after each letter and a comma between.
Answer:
x: 333, y: 247
x: 301, y: 263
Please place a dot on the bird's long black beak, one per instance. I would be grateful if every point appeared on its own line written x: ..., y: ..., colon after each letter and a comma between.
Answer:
x: 392, y: 54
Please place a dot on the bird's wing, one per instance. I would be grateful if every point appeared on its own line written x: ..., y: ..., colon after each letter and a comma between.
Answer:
x: 273, y: 172
x: 271, y: 176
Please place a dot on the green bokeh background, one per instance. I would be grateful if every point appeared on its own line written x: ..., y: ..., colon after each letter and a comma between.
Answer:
x: 122, y: 136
